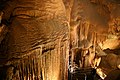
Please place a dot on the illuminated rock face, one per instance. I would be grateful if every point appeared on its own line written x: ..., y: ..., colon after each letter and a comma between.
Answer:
x: 93, y: 24
x: 37, y: 45
x: 37, y: 21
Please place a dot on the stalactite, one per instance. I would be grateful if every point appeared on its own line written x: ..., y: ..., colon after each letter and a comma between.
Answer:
x: 81, y: 37
x: 43, y: 67
x: 51, y: 64
x: 46, y: 65
x: 48, y: 62
x: 86, y: 29
x: 66, y: 58
x: 28, y: 67
x: 94, y: 42
x: 26, y: 71
x: 62, y: 61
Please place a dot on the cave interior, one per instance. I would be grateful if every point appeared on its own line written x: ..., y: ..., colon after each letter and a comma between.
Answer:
x: 88, y: 50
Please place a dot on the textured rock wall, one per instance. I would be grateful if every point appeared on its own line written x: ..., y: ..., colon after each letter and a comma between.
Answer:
x: 46, y: 62
x: 37, y: 23
x: 36, y: 46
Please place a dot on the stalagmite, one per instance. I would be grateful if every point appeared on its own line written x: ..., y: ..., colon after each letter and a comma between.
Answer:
x: 99, y: 51
x: 92, y: 50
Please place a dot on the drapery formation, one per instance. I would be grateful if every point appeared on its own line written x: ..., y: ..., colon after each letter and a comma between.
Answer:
x: 46, y: 62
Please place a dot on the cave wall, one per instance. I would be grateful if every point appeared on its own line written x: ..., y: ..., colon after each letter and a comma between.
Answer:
x: 36, y: 45
x: 89, y: 23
